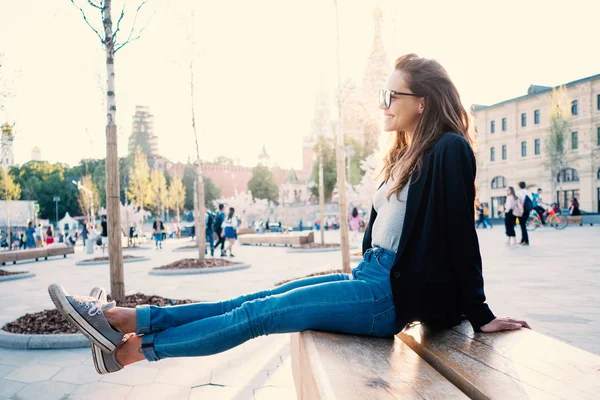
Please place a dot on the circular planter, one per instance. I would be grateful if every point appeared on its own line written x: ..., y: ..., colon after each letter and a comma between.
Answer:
x: 22, y: 341
x: 137, y: 248
x: 106, y: 262
x: 196, y: 271
x: 315, y: 250
x: 15, y: 277
x: 184, y: 249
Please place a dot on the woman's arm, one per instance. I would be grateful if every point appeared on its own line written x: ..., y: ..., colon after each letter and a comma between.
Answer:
x: 459, y: 191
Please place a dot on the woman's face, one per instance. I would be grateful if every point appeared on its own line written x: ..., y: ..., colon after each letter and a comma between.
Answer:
x: 404, y: 111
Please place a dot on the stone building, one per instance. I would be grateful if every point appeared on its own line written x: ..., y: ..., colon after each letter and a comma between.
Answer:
x: 7, y: 156
x: 511, y: 146
x: 142, y: 134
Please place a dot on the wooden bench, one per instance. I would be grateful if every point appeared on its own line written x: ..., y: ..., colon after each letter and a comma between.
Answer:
x: 590, y: 219
x: 419, y: 363
x: 274, y: 239
x: 35, y: 254
x: 572, y: 220
x: 245, y: 231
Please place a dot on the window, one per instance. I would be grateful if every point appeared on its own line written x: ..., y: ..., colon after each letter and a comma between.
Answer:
x: 499, y: 182
x: 574, y: 140
x: 523, y: 149
x: 598, y: 135
x: 503, y: 124
x: 564, y: 197
x: 598, y: 174
x: 574, y: 108
x: 598, y: 101
x: 493, y: 154
x: 568, y: 175
x: 536, y: 147
x: 504, y: 152
x: 493, y: 126
x: 536, y: 117
x: 524, y: 119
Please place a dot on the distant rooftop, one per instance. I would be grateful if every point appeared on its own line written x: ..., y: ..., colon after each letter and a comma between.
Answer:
x: 534, y: 90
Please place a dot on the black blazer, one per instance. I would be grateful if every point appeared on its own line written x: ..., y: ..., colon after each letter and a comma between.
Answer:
x: 437, y: 276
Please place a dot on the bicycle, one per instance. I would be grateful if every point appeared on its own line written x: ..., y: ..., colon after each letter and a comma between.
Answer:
x: 551, y: 218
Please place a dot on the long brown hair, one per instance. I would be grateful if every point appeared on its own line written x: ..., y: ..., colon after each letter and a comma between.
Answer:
x: 511, y: 192
x: 443, y: 112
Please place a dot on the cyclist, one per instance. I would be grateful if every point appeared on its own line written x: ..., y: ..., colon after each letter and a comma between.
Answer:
x: 538, y: 204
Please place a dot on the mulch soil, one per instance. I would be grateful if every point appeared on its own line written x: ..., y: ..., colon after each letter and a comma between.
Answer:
x: 316, y: 246
x: 189, y: 263
x: 106, y: 258
x: 50, y: 322
x: 6, y: 273
x: 333, y: 271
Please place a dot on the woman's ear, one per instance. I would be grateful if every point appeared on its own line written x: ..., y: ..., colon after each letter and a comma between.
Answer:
x: 421, y: 106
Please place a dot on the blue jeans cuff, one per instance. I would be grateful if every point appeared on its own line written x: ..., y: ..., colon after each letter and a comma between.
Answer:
x: 143, y: 316
x: 148, y: 347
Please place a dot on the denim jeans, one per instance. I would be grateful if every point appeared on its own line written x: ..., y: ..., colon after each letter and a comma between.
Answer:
x: 210, y: 239
x: 360, y: 303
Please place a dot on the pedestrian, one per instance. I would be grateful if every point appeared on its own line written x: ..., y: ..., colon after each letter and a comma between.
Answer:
x: 525, y: 199
x: 421, y: 254
x: 49, y: 235
x: 39, y: 238
x: 84, y: 233
x: 354, y: 222
x: 538, y: 204
x: 486, y: 216
x: 104, y: 232
x: 220, y: 217
x: 209, y: 221
x: 158, y: 228
x: 480, y: 216
x: 574, y: 207
x: 229, y: 232
x: 511, y: 206
x: 30, y: 240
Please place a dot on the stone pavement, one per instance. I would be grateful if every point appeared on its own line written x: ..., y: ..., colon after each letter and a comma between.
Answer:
x: 553, y: 284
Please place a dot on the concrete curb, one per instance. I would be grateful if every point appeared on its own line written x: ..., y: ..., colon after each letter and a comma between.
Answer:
x: 356, y: 258
x: 125, y: 261
x: 196, y: 271
x: 136, y: 248
x: 16, y: 277
x: 183, y: 250
x: 317, y: 250
x: 22, y: 341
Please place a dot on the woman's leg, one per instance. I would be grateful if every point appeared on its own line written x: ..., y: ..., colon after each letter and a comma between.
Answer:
x: 148, y: 319
x: 348, y: 306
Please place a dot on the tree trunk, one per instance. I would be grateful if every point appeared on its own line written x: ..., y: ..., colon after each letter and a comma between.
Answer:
x: 340, y: 158
x: 117, y: 284
x: 321, y: 198
x: 200, y: 223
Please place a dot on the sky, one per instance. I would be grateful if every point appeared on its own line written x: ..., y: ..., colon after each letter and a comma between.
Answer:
x: 259, y: 65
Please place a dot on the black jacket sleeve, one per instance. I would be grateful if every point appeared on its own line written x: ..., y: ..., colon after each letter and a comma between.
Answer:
x: 459, y: 169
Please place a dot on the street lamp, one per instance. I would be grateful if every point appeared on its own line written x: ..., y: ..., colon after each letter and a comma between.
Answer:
x: 91, y: 194
x: 56, y: 200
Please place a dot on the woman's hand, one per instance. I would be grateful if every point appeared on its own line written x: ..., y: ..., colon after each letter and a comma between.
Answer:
x: 504, y: 324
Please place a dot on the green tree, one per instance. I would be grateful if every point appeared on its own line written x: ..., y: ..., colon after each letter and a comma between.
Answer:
x: 158, y: 191
x: 139, y: 181
x: 85, y: 201
x: 326, y: 146
x: 9, y: 190
x: 557, y: 156
x: 262, y: 184
x: 222, y: 160
x: 211, y: 191
x: 176, y: 195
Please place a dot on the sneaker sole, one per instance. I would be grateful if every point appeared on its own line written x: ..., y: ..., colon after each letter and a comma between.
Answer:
x: 97, y: 351
x: 66, y: 309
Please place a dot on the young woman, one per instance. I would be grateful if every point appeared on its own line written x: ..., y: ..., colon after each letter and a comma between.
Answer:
x: 509, y: 217
x: 421, y: 253
x: 574, y: 207
x: 49, y: 235
x: 229, y: 231
x: 354, y: 222
x: 30, y: 241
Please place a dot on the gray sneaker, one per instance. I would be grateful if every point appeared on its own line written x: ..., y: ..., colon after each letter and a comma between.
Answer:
x: 104, y: 363
x: 86, y: 314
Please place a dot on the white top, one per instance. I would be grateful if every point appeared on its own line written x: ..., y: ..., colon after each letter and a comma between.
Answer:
x: 232, y: 222
x: 388, y: 225
x: 522, y: 193
x: 508, y: 205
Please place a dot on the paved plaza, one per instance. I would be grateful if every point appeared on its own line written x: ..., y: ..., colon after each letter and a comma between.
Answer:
x: 554, y: 284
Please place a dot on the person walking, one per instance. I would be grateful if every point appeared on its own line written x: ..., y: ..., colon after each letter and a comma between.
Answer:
x: 219, y: 229
x: 158, y: 229
x: 426, y: 199
x: 525, y: 200
x: 209, y: 221
x: 480, y: 216
x: 229, y: 232
x: 84, y: 233
x: 104, y: 232
x: 511, y: 206
x: 354, y: 222
x: 30, y: 241
x: 39, y: 238
x: 49, y: 235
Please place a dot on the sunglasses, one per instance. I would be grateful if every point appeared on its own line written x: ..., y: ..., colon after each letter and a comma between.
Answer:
x: 385, y: 96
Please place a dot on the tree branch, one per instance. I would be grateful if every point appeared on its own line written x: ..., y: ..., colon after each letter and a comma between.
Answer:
x: 98, y: 6
x: 129, y: 39
x: 119, y: 21
x: 87, y: 22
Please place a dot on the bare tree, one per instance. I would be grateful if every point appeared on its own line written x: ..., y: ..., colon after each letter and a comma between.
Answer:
x: 557, y: 155
x: 88, y: 203
x: 9, y: 190
x: 111, y: 44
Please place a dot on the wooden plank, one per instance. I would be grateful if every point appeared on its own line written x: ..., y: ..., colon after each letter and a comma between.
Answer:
x: 60, y: 250
x: 295, y: 238
x: 520, y: 364
x: 31, y: 254
x: 335, y: 366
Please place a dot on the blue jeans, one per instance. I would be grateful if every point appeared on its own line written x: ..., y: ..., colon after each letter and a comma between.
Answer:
x: 158, y: 238
x: 360, y: 304
x: 210, y: 238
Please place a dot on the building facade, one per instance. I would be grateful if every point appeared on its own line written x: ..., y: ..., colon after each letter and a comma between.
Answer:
x: 512, y: 139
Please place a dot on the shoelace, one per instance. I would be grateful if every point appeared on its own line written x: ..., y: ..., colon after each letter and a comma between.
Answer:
x: 93, y: 306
